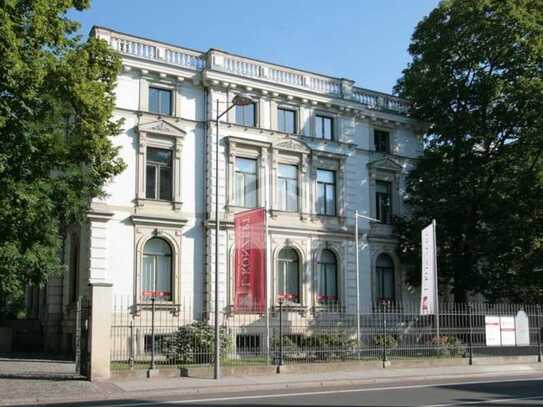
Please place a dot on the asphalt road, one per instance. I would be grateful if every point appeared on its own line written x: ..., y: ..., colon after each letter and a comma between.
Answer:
x: 499, y: 391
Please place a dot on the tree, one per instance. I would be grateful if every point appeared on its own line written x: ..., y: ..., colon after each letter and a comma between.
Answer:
x: 476, y: 79
x: 56, y: 101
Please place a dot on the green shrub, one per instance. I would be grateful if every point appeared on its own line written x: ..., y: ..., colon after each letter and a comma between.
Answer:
x: 195, y: 344
x: 448, y: 346
x: 385, y: 340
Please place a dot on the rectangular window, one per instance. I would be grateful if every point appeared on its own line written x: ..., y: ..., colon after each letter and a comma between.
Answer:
x: 158, y: 174
x: 381, y: 139
x: 160, y: 101
x: 287, y: 187
x: 326, y: 192
x: 324, y: 127
x: 286, y: 120
x: 246, y: 115
x: 246, y: 182
x: 383, y: 201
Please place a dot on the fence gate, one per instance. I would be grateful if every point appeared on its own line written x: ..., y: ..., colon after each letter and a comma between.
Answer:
x: 82, y: 354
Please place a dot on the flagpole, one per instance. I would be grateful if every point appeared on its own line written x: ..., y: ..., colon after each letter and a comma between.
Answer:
x: 357, y: 280
x: 436, y: 294
x: 266, y: 239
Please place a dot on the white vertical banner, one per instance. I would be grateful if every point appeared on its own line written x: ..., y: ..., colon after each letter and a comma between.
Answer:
x: 428, y: 294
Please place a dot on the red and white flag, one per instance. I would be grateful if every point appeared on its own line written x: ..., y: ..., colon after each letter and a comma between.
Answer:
x: 250, y: 261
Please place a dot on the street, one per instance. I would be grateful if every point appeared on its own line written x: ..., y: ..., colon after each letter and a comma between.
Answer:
x: 496, y: 391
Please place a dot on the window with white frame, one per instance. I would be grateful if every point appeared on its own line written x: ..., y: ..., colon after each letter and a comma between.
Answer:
x: 157, y: 270
x: 246, y: 182
x: 286, y: 120
x: 287, y: 187
x: 160, y: 101
x: 324, y: 127
x: 327, y: 290
x: 326, y: 192
x: 288, y: 275
x: 246, y: 115
x: 384, y: 270
x: 158, y: 174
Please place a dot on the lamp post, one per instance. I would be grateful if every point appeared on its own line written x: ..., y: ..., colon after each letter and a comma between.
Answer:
x: 356, y: 216
x: 238, y: 100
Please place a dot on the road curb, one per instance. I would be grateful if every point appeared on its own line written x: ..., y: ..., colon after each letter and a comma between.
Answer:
x: 112, y: 392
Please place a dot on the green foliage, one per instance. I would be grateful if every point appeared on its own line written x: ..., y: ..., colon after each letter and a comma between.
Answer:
x: 56, y: 102
x: 385, y: 340
x: 195, y: 344
x: 448, y: 346
x: 476, y: 79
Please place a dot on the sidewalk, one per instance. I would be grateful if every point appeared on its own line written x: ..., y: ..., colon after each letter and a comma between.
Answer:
x: 33, y: 392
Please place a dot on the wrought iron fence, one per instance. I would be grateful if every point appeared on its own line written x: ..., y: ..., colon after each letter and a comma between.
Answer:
x: 159, y: 334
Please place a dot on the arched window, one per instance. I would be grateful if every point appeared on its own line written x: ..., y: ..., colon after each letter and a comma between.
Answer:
x: 288, y: 276
x: 327, y: 285
x: 157, y: 270
x: 384, y: 268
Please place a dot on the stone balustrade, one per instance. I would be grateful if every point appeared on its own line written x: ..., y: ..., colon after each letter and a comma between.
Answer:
x: 146, y: 49
x: 250, y: 68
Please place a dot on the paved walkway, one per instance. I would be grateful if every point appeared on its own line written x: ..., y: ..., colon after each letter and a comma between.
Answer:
x: 30, y: 382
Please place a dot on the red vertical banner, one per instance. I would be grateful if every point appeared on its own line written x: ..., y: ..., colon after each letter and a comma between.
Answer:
x: 250, y: 261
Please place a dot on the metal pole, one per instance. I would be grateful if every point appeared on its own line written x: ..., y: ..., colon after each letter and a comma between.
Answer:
x: 216, y: 367
x: 538, y: 324
x: 153, y: 333
x: 384, y: 337
x: 357, y: 281
x: 436, y: 286
x: 280, y: 362
x: 470, y: 336
x: 131, y: 357
x: 266, y: 231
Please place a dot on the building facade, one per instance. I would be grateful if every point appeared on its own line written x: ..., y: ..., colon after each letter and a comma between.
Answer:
x: 312, y: 149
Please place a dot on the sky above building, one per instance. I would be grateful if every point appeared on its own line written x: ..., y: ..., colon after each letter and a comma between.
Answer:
x: 362, y: 40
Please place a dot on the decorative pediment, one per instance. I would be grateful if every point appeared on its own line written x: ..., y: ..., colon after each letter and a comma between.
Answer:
x: 386, y: 164
x: 292, y: 145
x: 162, y: 127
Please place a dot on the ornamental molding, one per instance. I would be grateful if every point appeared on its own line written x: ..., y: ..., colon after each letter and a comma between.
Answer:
x: 292, y: 145
x: 162, y: 127
x: 387, y: 164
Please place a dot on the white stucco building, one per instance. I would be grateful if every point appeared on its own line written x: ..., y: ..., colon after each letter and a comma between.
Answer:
x: 313, y: 148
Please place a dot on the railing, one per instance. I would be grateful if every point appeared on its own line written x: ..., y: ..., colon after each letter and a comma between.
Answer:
x: 272, y: 73
x: 379, y: 101
x: 175, y: 337
x: 145, y: 49
x: 246, y: 67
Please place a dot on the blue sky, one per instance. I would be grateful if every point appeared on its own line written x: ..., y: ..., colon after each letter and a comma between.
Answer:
x: 363, y: 40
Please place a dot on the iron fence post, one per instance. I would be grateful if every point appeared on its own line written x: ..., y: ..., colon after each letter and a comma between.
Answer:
x: 78, y: 336
x: 280, y: 361
x: 152, y: 333
x: 385, y: 359
x: 470, y: 336
x: 538, y: 310
x: 131, y: 356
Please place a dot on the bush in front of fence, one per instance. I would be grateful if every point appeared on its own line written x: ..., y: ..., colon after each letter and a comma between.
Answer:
x: 322, y: 346
x: 448, y: 346
x: 388, y: 341
x: 194, y: 344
